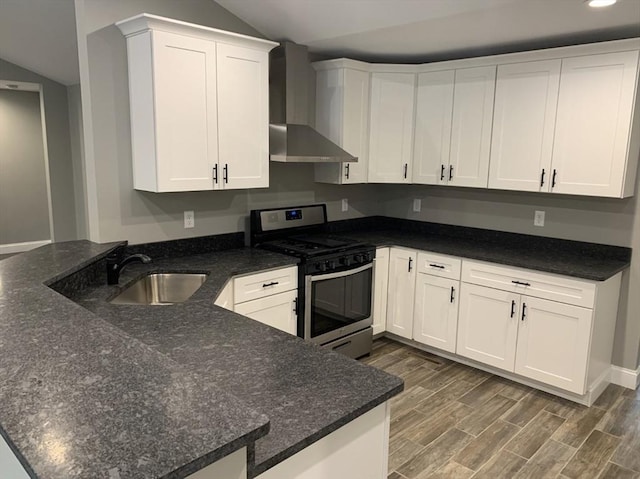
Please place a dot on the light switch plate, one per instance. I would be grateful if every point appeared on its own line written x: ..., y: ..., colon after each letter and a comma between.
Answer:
x: 417, y: 205
x: 345, y: 204
x: 538, y: 218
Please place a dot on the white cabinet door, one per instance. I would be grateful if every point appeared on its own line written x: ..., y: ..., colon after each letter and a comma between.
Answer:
x: 184, y: 81
x: 435, y: 318
x: 342, y: 115
x: 553, y: 343
x: 277, y: 311
x: 243, y: 117
x: 225, y: 298
x: 434, y: 106
x: 593, y: 123
x: 380, y: 289
x: 488, y: 325
x: 471, y: 126
x: 402, y: 286
x: 523, y: 125
x: 391, y: 127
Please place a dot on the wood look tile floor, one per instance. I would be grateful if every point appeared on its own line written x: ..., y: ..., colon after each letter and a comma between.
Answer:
x: 455, y: 422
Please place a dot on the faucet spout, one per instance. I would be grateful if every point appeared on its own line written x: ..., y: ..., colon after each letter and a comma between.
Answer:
x: 115, y: 265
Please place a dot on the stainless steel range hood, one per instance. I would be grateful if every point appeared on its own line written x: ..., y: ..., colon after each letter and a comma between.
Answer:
x: 291, y: 98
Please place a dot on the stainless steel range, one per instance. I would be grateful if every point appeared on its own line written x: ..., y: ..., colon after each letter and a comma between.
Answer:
x: 335, y: 276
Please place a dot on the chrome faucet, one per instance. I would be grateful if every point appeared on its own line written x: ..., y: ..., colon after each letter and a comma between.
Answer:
x: 116, y: 263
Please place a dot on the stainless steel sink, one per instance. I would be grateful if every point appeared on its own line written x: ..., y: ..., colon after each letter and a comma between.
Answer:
x: 161, y: 288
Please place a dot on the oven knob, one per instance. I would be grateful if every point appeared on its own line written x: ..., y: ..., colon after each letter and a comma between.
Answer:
x: 368, y: 257
x: 321, y: 267
x: 330, y: 265
x: 358, y: 258
x: 346, y: 261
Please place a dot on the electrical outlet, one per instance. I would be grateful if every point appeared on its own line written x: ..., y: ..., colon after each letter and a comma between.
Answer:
x: 345, y: 204
x: 417, y: 205
x: 538, y: 218
x: 189, y: 219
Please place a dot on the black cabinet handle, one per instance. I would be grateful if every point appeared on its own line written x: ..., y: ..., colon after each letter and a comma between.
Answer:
x: 346, y: 171
x: 410, y: 262
x: 215, y: 173
x: 225, y: 173
x: 553, y: 178
x: 441, y: 172
x: 524, y: 311
x: 521, y: 283
x: 406, y: 165
x: 453, y: 290
x: 266, y: 285
x: 295, y: 306
x: 542, y: 177
x: 436, y: 265
x: 513, y: 307
x: 450, y: 172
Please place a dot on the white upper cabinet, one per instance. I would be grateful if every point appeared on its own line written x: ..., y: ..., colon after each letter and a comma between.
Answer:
x: 342, y: 115
x: 243, y: 116
x: 523, y: 125
x: 471, y: 126
x: 199, y: 106
x: 391, y: 127
x: 434, y: 107
x: 591, y: 149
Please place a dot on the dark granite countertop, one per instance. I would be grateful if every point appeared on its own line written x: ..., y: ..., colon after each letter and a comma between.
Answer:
x: 159, y: 391
x: 306, y: 392
x: 590, y: 261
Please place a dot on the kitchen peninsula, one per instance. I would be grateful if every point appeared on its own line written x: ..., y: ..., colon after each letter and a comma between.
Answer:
x: 81, y: 397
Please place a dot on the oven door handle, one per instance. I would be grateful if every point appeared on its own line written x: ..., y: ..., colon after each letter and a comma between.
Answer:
x: 339, y: 274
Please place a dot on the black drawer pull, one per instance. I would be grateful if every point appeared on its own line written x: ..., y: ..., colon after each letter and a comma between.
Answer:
x: 513, y: 307
x: 441, y: 172
x: 524, y: 311
x: 453, y: 290
x: 520, y: 283
x: 266, y: 285
x: 436, y: 265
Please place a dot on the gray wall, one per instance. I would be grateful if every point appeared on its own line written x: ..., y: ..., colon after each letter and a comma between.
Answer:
x: 597, y: 220
x: 24, y: 204
x: 124, y: 213
x: 59, y: 147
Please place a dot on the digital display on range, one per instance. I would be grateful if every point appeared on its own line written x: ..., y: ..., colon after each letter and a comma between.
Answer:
x: 291, y: 215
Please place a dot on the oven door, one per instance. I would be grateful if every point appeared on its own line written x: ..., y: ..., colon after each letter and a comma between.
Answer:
x: 337, y: 304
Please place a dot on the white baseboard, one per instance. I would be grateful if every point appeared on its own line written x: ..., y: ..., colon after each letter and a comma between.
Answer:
x: 11, y: 248
x: 627, y: 378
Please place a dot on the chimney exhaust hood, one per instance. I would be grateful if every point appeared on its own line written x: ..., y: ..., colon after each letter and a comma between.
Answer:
x: 291, y: 139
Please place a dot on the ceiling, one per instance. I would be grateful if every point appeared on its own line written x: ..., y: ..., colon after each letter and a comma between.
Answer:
x: 424, y: 30
x: 40, y: 35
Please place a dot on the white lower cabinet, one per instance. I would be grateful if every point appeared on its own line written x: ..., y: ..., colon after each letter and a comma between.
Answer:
x: 435, y: 315
x: 380, y: 290
x: 488, y: 325
x: 269, y: 297
x: 401, y: 292
x: 278, y: 311
x: 553, y: 343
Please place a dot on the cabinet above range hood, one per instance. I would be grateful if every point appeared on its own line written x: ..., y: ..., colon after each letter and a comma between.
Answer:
x: 291, y: 139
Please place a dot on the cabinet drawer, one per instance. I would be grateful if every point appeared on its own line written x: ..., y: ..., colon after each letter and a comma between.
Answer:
x: 263, y: 284
x: 439, y: 265
x: 541, y: 285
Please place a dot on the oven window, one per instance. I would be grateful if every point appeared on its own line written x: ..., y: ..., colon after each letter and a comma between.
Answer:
x: 339, y: 302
